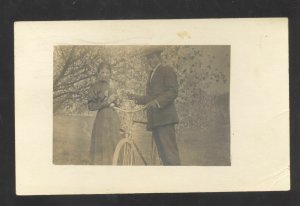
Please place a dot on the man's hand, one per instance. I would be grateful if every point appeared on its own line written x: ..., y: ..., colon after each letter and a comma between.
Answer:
x: 152, y: 105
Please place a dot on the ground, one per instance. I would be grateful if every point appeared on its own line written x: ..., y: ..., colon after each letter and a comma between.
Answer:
x: 209, y: 146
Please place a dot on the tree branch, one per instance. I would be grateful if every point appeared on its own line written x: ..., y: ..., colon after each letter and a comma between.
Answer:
x: 64, y: 93
x: 65, y: 67
x: 60, y: 86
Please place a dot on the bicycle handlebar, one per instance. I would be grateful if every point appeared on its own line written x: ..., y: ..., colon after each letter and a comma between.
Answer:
x: 140, y: 122
x: 130, y: 111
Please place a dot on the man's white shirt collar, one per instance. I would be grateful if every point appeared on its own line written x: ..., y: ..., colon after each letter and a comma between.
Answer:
x: 154, y: 71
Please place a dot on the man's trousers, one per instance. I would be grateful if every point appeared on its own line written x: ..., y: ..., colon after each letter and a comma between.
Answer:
x: 165, y: 140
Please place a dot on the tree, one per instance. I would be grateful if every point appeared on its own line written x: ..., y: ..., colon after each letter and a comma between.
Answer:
x: 202, y: 71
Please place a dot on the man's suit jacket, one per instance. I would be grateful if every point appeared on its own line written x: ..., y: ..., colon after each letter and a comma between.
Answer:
x: 163, y: 88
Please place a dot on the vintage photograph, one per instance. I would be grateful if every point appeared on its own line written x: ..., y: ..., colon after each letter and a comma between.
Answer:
x: 141, y: 105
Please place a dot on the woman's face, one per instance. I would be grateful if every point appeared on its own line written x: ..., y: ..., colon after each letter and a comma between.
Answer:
x: 104, y: 74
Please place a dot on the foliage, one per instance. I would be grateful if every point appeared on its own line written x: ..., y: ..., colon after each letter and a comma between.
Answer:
x: 202, y: 72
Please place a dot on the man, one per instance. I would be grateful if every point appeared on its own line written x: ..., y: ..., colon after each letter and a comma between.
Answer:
x: 161, y: 92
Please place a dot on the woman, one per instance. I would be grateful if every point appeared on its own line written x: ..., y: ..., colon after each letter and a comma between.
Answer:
x: 105, y: 134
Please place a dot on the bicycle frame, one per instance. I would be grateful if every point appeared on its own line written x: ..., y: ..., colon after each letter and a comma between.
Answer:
x: 128, y: 138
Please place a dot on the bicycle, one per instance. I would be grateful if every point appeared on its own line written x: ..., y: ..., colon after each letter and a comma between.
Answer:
x: 126, y: 150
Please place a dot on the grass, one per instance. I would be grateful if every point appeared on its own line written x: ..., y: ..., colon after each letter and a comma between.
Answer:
x: 203, y: 147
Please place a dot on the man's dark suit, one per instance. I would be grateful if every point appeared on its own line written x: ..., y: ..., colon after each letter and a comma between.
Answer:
x: 163, y: 89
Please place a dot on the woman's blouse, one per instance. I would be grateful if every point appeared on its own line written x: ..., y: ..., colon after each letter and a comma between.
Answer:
x: 99, y: 94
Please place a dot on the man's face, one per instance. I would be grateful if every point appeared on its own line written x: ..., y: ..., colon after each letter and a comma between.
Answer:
x: 153, y: 60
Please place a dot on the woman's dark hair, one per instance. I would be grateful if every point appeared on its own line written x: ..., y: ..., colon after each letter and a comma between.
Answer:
x: 103, y: 65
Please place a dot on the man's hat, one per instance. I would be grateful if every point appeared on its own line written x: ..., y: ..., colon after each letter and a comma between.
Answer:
x: 152, y: 50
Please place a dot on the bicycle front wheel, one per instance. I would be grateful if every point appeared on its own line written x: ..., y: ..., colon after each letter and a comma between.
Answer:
x: 124, y: 153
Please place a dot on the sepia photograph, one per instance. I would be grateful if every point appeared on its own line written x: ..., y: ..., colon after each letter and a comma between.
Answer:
x: 141, y: 105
